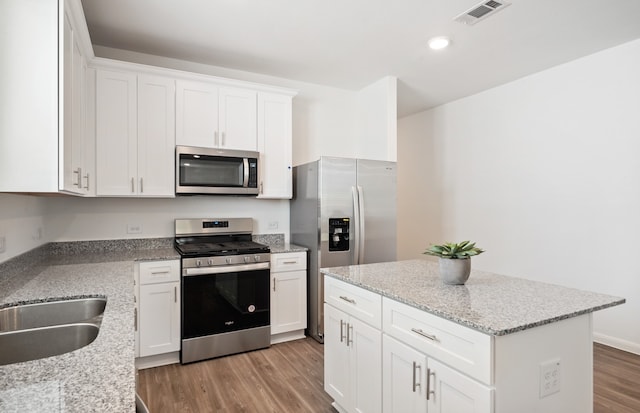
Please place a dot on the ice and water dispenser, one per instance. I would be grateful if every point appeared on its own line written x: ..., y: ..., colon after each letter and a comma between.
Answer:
x: 339, y: 234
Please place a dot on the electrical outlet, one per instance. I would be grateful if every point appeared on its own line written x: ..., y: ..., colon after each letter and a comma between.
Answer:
x: 549, y: 377
x: 3, y: 244
x: 273, y: 224
x: 134, y: 229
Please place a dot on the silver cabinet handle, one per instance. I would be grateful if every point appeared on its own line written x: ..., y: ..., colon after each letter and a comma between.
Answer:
x: 342, y: 331
x: 215, y: 138
x: 289, y: 262
x: 78, y: 183
x: 87, y: 178
x: 133, y: 182
x: 175, y: 294
x: 141, y: 185
x: 349, y: 334
x: 429, y: 374
x: 347, y: 299
x: 222, y: 139
x: 274, y: 284
x: 425, y: 335
x: 135, y: 318
x: 416, y: 366
x: 261, y: 188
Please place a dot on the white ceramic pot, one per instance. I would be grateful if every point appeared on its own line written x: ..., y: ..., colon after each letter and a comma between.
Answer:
x: 455, y: 271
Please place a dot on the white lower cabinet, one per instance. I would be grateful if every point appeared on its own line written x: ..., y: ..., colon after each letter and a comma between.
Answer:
x: 384, y: 356
x: 415, y: 383
x: 352, y: 362
x: 288, y: 296
x: 158, y: 313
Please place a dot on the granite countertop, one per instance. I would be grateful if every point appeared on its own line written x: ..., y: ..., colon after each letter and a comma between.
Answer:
x: 491, y: 303
x: 286, y: 247
x: 99, y: 377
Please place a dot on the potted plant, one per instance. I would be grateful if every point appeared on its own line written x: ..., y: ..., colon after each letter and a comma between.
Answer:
x: 455, y: 260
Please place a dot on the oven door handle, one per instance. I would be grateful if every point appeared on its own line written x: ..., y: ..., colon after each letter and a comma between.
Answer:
x: 225, y: 269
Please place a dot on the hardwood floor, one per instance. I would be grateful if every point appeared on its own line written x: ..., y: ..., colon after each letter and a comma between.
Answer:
x: 288, y: 377
x: 616, y: 380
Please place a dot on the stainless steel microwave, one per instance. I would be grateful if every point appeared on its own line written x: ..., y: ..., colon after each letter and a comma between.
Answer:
x: 209, y: 171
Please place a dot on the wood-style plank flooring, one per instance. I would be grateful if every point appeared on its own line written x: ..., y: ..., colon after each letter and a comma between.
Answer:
x: 616, y: 380
x: 288, y: 377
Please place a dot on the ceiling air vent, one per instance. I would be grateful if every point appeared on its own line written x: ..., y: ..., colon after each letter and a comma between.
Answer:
x: 481, y: 11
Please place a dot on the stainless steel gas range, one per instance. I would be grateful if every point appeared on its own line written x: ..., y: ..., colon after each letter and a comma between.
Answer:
x: 225, y: 288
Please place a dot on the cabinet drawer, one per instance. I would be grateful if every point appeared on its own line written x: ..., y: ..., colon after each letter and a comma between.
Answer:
x: 355, y: 301
x: 462, y: 348
x: 153, y: 272
x: 289, y: 261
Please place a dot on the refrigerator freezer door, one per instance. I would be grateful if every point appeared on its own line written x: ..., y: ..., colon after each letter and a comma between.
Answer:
x: 378, y: 207
x: 337, y: 177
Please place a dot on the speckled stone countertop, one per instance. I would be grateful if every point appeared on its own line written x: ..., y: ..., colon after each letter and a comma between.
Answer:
x: 99, y: 377
x: 493, y: 304
x: 277, y: 244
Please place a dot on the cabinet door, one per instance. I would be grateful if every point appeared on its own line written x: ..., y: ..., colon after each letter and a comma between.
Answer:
x: 71, y: 148
x: 116, y: 140
x: 159, y: 318
x: 404, y: 378
x: 288, y: 301
x: 336, y: 355
x: 453, y: 392
x: 275, y: 145
x: 365, y: 366
x: 197, y: 114
x: 156, y: 136
x: 237, y: 119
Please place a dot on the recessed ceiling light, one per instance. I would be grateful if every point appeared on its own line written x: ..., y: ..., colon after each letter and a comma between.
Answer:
x: 440, y: 42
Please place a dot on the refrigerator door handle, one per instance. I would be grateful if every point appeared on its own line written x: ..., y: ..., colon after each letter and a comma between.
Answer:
x: 356, y: 223
x: 361, y: 228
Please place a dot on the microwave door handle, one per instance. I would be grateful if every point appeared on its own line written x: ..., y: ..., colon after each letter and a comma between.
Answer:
x: 245, y: 182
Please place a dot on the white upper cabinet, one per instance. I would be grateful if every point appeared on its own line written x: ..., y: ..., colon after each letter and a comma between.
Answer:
x: 215, y: 117
x: 135, y: 135
x: 42, y: 79
x: 275, y: 145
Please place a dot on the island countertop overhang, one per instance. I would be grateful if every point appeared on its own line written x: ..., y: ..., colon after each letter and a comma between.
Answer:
x: 491, y: 303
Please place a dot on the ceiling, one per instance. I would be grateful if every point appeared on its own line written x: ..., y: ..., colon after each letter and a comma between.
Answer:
x: 352, y: 43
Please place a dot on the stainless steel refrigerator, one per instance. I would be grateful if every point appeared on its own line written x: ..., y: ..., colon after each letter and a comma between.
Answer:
x: 344, y: 211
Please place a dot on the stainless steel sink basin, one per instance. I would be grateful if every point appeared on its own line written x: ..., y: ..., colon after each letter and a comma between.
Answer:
x: 38, y: 343
x: 50, y: 313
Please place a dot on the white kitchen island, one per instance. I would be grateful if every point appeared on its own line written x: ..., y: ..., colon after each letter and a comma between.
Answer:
x: 399, y: 340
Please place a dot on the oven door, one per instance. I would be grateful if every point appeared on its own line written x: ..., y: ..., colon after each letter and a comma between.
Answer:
x: 225, y: 299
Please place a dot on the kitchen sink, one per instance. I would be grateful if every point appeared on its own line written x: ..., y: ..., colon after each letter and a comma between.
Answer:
x: 41, y: 342
x: 50, y: 313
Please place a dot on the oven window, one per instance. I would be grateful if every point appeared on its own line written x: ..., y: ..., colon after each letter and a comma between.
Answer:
x: 220, y: 303
x: 202, y: 170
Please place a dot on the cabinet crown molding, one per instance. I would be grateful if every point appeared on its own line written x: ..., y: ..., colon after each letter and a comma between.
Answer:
x: 112, y: 64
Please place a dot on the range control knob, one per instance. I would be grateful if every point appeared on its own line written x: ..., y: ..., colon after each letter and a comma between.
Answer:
x: 210, y: 262
x: 256, y: 258
x: 228, y: 260
x: 247, y: 259
x: 198, y: 263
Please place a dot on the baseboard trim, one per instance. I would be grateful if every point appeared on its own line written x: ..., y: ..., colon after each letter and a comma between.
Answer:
x: 618, y: 343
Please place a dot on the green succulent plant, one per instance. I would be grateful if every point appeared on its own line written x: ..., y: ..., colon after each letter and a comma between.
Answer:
x: 452, y: 250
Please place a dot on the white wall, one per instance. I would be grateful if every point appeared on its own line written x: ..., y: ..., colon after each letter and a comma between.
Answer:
x: 543, y: 173
x: 21, y: 224
x: 80, y: 219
